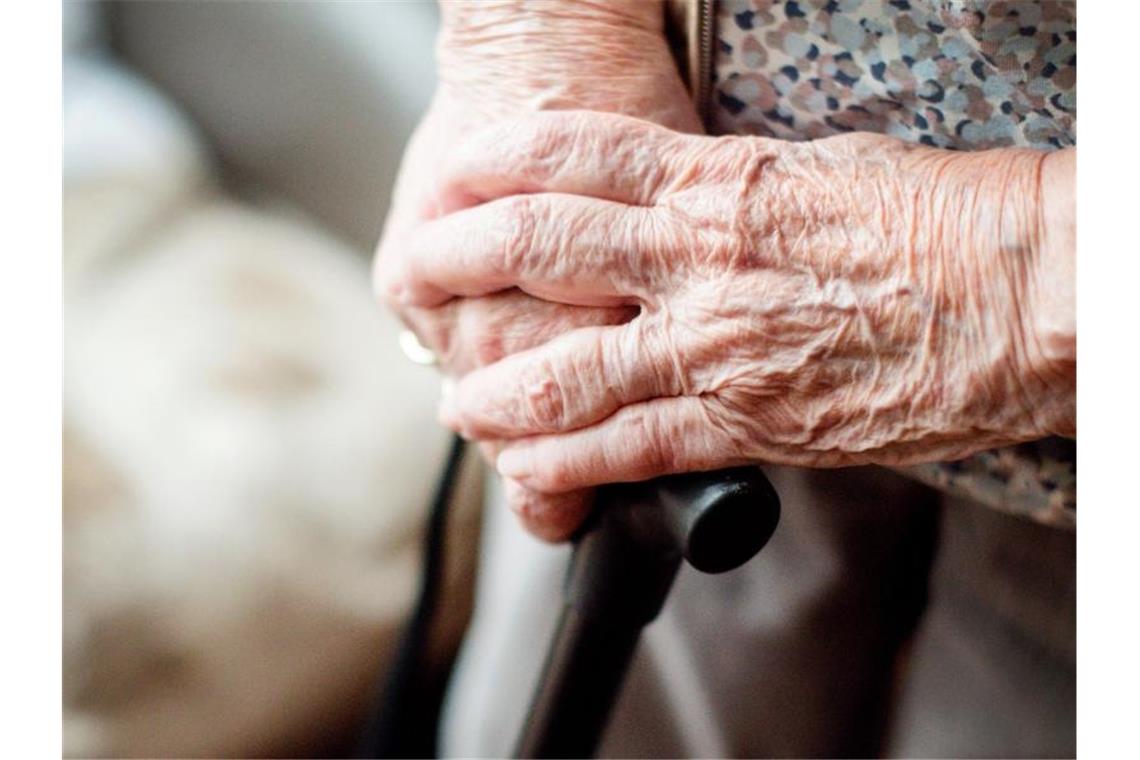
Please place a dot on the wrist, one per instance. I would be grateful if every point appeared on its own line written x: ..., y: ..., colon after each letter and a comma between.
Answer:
x: 1000, y: 224
x: 1034, y: 254
x: 470, y: 23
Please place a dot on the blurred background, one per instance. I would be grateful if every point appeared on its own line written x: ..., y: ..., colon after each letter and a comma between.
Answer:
x: 248, y: 456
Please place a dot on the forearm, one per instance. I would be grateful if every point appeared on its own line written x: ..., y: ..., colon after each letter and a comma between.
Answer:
x: 993, y: 232
x: 476, y: 20
x: 512, y: 57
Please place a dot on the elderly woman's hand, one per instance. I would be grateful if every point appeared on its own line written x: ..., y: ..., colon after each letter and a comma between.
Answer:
x: 844, y: 301
x: 500, y: 60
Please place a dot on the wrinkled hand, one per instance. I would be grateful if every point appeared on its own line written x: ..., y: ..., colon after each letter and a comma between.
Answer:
x: 845, y: 301
x: 499, y: 60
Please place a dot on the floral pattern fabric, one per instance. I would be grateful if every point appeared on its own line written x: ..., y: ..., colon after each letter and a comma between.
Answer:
x: 955, y: 74
x: 965, y: 74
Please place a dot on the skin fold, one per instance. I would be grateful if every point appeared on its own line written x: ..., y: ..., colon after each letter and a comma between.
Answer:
x: 620, y: 299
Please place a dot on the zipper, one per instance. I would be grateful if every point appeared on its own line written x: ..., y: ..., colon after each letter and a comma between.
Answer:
x: 701, y: 57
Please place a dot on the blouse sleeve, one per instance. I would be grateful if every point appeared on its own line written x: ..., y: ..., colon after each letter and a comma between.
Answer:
x: 1036, y: 480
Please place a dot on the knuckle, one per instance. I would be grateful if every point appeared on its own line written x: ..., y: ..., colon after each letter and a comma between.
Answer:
x: 543, y: 142
x: 658, y: 453
x: 517, y: 224
x: 544, y: 402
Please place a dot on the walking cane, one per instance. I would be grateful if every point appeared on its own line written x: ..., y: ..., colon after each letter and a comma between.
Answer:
x: 625, y: 558
x: 624, y: 562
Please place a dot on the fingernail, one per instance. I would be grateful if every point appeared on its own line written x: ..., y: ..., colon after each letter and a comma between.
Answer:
x: 511, y: 464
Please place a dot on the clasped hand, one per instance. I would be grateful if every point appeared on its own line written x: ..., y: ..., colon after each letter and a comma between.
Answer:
x: 845, y: 301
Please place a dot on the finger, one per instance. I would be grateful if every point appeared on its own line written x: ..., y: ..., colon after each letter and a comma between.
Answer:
x: 571, y: 382
x: 491, y: 328
x: 639, y: 442
x: 550, y: 517
x: 603, y: 155
x: 467, y: 333
x: 559, y: 247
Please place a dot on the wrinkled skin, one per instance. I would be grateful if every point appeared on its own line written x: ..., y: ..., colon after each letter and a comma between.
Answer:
x: 846, y: 301
x: 500, y: 60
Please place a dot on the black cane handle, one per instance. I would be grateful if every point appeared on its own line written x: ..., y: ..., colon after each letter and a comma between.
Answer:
x: 625, y: 558
x: 719, y: 519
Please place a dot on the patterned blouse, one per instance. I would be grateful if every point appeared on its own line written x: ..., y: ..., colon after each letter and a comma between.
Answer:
x: 956, y: 74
